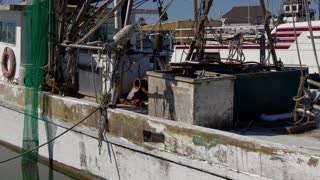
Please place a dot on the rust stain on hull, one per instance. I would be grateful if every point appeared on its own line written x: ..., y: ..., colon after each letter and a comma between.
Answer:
x: 313, y: 162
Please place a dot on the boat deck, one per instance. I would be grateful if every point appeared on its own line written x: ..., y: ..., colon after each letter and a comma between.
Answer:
x: 140, y: 110
x: 308, y: 141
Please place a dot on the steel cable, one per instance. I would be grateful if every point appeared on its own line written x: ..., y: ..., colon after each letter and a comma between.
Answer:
x: 311, y: 33
x: 296, y: 39
x: 69, y: 129
x: 125, y: 147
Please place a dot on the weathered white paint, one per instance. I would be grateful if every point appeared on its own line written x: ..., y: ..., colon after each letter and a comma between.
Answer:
x: 81, y: 152
x: 206, y: 101
x: 181, y: 157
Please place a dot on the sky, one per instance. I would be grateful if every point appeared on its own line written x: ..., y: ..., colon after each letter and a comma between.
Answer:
x: 10, y: 1
x: 183, y: 9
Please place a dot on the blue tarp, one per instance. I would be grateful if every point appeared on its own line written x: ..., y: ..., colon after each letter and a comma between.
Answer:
x: 6, y: 2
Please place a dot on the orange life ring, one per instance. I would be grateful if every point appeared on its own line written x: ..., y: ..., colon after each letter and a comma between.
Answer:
x: 8, y: 55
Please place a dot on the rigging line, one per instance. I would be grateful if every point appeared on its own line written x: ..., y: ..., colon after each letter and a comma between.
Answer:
x: 188, y: 39
x: 165, y: 159
x: 218, y: 38
x: 145, y: 39
x: 46, y: 143
x: 93, y: 75
x: 135, y: 6
x: 73, y: 130
x: 115, y: 159
x: 160, y: 27
x: 103, y: 11
x: 311, y: 34
x: 44, y: 120
x: 163, y: 13
x: 275, y: 34
x: 102, y: 21
x: 125, y: 147
x: 138, y: 4
x: 296, y: 39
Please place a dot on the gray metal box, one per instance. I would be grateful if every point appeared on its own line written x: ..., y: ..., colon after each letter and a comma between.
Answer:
x: 206, y: 101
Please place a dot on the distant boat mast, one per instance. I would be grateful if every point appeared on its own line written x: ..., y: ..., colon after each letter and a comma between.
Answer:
x: 200, y: 18
x: 268, y: 31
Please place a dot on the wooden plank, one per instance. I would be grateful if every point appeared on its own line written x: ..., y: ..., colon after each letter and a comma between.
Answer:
x: 298, y: 129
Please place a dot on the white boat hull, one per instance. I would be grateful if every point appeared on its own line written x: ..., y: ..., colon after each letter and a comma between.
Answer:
x: 286, y: 48
x: 188, y: 152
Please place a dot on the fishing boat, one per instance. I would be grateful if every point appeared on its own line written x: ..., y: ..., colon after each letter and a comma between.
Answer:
x: 179, y: 126
x: 291, y: 36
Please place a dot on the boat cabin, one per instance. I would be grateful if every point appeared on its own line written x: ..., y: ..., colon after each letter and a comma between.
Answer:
x: 12, y: 20
x: 296, y: 10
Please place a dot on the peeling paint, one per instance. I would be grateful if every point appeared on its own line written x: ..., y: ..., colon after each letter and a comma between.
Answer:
x: 300, y: 161
x: 213, y: 148
x: 313, y: 162
x: 165, y: 167
x: 83, y: 157
x: 157, y: 128
x: 207, y: 142
x: 222, y: 155
x: 276, y: 157
x: 248, y: 146
x: 121, y: 125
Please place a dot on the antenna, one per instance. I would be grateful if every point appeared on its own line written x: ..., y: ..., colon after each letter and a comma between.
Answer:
x: 249, y: 13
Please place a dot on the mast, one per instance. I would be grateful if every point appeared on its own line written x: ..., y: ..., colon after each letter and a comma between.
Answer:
x: 196, y: 13
x: 268, y: 31
x: 206, y: 6
x: 200, y: 19
x: 128, y: 13
x: 117, y: 21
x: 248, y: 13
x: 196, y: 23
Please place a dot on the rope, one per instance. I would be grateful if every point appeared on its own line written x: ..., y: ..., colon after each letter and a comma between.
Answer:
x: 125, y: 147
x: 298, y: 99
x: 69, y: 129
x: 218, y: 38
x: 311, y: 34
x: 236, y: 48
x: 276, y: 29
x: 159, y: 20
x: 185, y: 45
x: 296, y: 39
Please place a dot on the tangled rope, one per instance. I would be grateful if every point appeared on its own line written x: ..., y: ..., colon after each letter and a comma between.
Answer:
x: 236, y: 48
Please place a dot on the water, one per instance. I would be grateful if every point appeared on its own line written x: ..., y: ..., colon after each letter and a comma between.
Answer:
x: 12, y: 169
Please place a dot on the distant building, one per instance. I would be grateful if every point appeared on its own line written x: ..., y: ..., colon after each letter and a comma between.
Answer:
x: 175, y: 25
x: 8, y: 2
x: 244, y: 16
x: 183, y: 31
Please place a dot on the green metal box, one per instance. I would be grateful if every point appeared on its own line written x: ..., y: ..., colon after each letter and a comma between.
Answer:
x: 264, y: 92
